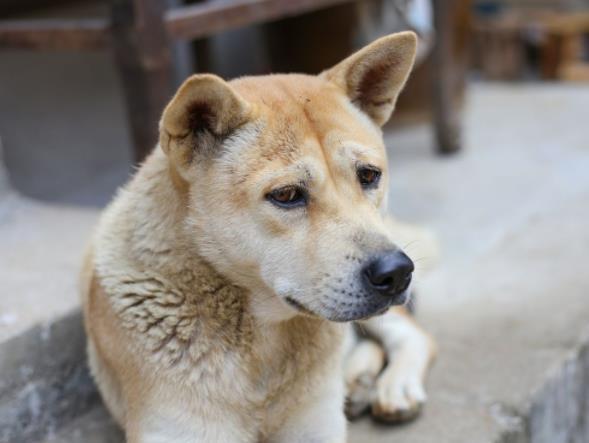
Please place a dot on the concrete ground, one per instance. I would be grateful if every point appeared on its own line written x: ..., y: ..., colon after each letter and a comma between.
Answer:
x: 66, y: 149
x: 507, y: 303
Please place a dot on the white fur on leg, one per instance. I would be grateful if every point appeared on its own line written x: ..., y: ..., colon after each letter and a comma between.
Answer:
x: 400, y: 391
x: 363, y: 364
x: 367, y: 357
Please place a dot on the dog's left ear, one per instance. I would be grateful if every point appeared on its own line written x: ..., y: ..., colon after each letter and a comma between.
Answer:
x: 374, y: 76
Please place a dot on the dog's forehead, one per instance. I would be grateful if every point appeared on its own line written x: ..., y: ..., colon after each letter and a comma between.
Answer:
x: 307, y: 115
x: 281, y: 89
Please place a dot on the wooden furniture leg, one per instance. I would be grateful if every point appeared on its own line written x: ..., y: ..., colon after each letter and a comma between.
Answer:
x: 143, y: 55
x: 446, y: 117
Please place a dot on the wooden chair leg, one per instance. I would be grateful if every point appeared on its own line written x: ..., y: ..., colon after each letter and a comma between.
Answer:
x: 445, y: 107
x: 143, y: 56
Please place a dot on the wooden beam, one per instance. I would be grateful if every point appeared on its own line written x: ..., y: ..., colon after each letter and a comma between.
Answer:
x: 11, y: 8
x: 188, y: 22
x: 446, y: 114
x: 51, y: 34
x: 143, y: 56
x: 202, y: 19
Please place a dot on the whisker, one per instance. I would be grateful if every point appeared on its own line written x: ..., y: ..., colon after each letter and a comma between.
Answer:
x: 410, y: 243
x: 421, y: 259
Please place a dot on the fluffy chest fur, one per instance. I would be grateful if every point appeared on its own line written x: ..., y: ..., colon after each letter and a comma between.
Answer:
x: 196, y: 331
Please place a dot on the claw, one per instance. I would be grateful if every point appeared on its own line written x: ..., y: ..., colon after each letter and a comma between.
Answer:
x: 396, y: 416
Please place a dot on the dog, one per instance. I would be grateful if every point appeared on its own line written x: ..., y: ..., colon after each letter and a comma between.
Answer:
x: 221, y: 283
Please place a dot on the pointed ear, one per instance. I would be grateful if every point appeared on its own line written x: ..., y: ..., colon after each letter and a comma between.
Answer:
x: 374, y: 76
x: 204, y: 110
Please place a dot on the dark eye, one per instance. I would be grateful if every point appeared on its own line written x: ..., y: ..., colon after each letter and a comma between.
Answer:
x: 287, y: 197
x: 368, y: 176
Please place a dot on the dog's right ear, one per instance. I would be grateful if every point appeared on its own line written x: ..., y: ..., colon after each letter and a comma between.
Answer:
x: 204, y: 110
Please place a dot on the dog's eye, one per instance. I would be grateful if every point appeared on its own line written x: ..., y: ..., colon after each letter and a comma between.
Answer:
x: 287, y: 197
x: 368, y: 176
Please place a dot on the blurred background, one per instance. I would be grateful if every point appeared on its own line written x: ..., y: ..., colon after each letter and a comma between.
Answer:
x: 489, y: 147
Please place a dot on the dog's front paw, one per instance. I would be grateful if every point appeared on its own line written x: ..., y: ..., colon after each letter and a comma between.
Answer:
x: 400, y: 396
x: 360, y: 395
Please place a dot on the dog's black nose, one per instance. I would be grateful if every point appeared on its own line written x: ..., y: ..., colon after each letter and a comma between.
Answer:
x: 390, y: 274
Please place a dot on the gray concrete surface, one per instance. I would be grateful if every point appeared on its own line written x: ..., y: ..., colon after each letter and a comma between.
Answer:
x: 508, y: 302
x: 42, y: 248
x: 44, y: 380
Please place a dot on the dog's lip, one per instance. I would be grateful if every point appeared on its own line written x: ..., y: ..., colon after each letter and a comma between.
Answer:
x: 298, y: 306
x: 401, y: 299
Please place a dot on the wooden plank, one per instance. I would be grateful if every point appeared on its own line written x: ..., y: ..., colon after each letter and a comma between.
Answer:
x: 143, y: 56
x: 53, y: 34
x: 202, y: 19
x: 445, y: 110
x: 15, y: 7
x: 182, y: 52
x: 189, y: 22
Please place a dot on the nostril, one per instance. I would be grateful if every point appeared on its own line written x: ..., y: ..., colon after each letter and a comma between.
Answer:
x: 387, y: 281
x: 380, y: 280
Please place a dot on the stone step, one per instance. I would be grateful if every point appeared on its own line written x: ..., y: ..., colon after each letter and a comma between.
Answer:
x: 96, y: 426
x: 44, y: 380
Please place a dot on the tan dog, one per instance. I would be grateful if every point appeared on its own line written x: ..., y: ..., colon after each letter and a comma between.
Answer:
x: 220, y: 279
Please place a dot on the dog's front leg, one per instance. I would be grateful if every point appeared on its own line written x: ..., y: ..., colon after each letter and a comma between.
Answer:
x: 400, y: 391
x: 319, y: 419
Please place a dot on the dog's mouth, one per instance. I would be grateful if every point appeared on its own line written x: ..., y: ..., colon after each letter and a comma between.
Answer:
x: 299, y: 306
x: 363, y: 312
x: 352, y: 311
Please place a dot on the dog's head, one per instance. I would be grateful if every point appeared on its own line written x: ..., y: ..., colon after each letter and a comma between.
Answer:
x: 286, y: 177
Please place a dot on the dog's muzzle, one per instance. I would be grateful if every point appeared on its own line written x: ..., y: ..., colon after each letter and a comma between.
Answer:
x: 385, y: 281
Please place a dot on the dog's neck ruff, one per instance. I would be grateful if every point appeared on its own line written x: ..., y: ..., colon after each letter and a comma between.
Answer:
x: 159, y: 286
